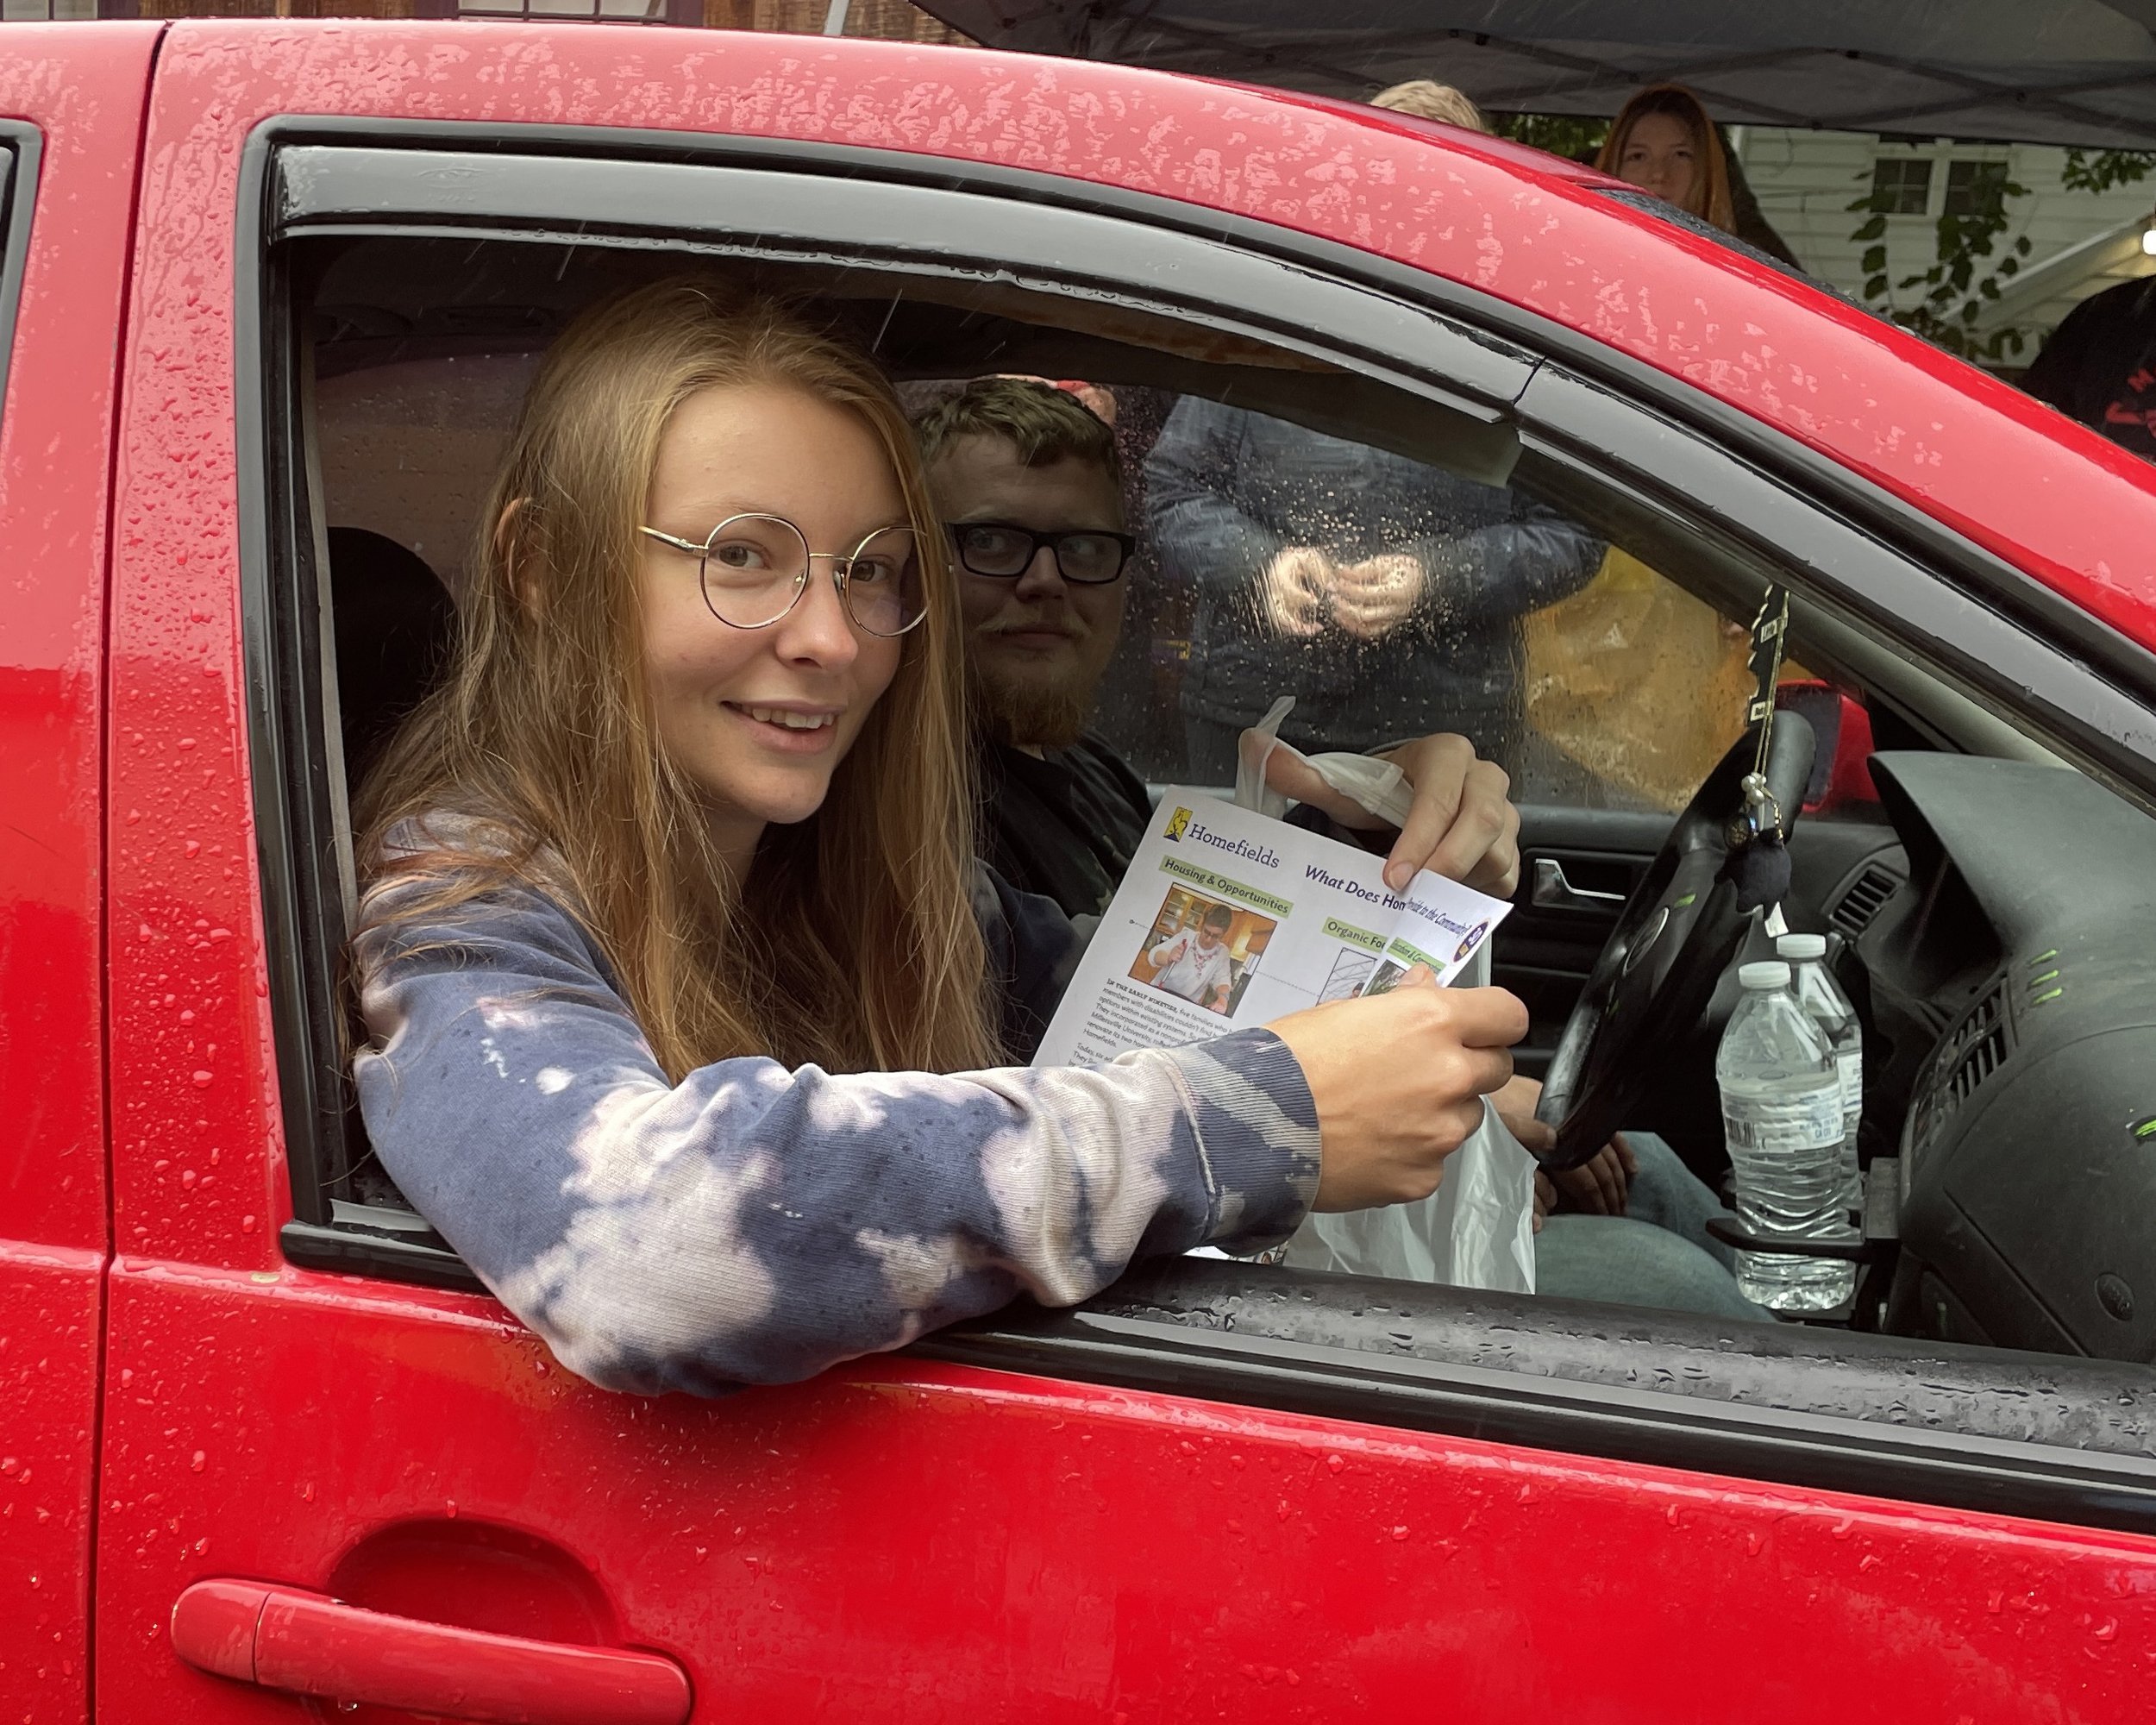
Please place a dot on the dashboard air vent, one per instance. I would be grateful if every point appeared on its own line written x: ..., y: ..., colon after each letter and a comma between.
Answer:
x: 1966, y: 1056
x: 1852, y: 914
x: 1981, y: 1062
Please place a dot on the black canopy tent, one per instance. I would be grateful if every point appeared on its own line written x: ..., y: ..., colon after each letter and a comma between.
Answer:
x: 2060, y: 72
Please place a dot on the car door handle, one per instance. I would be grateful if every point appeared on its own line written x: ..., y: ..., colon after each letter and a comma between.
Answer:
x: 310, y: 1644
x: 1552, y: 891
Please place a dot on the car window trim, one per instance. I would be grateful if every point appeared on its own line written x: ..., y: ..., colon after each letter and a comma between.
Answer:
x: 1507, y: 1370
x: 291, y: 760
x: 326, y: 178
x: 336, y: 1235
x: 22, y: 147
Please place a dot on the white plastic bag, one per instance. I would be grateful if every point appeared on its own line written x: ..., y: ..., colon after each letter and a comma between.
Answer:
x: 1477, y: 1229
x: 1377, y: 785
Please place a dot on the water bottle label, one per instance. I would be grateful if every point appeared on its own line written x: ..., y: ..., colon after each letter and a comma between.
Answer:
x: 1851, y: 1065
x: 1798, y: 1123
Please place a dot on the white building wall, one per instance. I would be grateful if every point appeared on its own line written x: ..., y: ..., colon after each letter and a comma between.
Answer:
x: 1806, y: 180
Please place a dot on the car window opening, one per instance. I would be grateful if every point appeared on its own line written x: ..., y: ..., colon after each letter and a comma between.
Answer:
x: 1595, y: 647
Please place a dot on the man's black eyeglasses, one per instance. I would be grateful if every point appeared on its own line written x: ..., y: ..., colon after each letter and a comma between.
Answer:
x: 1003, y: 550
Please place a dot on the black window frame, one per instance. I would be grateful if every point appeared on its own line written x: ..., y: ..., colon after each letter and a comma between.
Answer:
x: 21, y: 147
x: 1573, y: 404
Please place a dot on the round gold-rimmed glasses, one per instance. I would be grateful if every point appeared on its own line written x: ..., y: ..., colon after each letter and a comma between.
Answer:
x: 753, y: 569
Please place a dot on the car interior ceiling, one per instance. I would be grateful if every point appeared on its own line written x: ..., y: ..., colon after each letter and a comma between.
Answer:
x: 377, y: 305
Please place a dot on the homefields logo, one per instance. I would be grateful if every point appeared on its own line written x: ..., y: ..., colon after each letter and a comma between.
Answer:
x: 1263, y: 854
x: 1176, y: 822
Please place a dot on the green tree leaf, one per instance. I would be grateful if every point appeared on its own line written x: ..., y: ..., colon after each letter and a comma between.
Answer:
x: 1968, y: 263
x: 1562, y: 134
x: 2099, y: 170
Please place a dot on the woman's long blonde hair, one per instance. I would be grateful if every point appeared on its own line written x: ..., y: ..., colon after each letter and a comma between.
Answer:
x: 852, y: 942
x: 1711, y: 199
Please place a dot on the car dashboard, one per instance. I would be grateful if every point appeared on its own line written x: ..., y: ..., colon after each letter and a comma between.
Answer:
x: 2001, y: 960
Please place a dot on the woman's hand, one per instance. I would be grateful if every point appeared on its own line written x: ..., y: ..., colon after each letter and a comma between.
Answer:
x: 1399, y: 1081
x: 1462, y: 826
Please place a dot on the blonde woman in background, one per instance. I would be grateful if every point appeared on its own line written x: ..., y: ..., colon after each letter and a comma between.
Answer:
x: 1428, y: 99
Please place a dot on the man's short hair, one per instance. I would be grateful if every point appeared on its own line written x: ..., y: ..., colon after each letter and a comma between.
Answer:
x: 1428, y: 99
x: 1044, y: 424
x: 1220, y: 917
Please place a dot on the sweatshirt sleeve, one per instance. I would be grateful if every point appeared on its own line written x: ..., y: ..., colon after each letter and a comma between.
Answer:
x: 1532, y: 559
x: 1201, y: 533
x: 754, y: 1225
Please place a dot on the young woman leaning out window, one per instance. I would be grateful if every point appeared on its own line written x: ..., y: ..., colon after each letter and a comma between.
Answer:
x: 690, y: 1015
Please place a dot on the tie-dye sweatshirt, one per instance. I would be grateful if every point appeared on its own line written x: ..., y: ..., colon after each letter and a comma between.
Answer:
x: 754, y: 1225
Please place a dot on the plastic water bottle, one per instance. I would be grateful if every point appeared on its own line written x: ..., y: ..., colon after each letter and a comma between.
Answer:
x: 1825, y: 1004
x: 1782, y: 1110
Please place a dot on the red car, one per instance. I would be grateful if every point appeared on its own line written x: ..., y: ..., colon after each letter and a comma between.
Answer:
x: 271, y: 290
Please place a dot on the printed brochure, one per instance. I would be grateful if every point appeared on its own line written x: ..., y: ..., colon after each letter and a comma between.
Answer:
x: 1228, y: 918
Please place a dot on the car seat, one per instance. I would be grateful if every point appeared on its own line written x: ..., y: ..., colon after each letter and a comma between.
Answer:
x: 396, y: 625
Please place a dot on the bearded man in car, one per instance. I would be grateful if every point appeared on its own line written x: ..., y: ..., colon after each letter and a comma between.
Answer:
x: 1030, y: 484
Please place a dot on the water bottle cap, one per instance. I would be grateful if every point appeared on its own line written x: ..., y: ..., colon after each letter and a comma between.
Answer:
x: 1768, y: 973
x: 1796, y: 948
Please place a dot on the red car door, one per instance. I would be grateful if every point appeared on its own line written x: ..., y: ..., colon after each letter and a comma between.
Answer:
x: 71, y: 110
x: 323, y: 1476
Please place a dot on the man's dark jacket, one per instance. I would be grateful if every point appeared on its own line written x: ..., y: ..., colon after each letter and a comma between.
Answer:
x: 2100, y: 365
x: 1064, y: 824
x: 1227, y: 488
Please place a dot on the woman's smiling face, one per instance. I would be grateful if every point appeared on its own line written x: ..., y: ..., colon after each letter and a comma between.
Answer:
x: 758, y: 719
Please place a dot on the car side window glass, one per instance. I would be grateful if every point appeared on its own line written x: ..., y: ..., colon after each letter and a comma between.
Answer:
x: 1384, y: 593
x: 1392, y: 598
x: 1634, y: 686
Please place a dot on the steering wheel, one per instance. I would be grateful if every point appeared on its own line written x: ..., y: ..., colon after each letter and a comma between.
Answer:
x: 1673, y: 942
